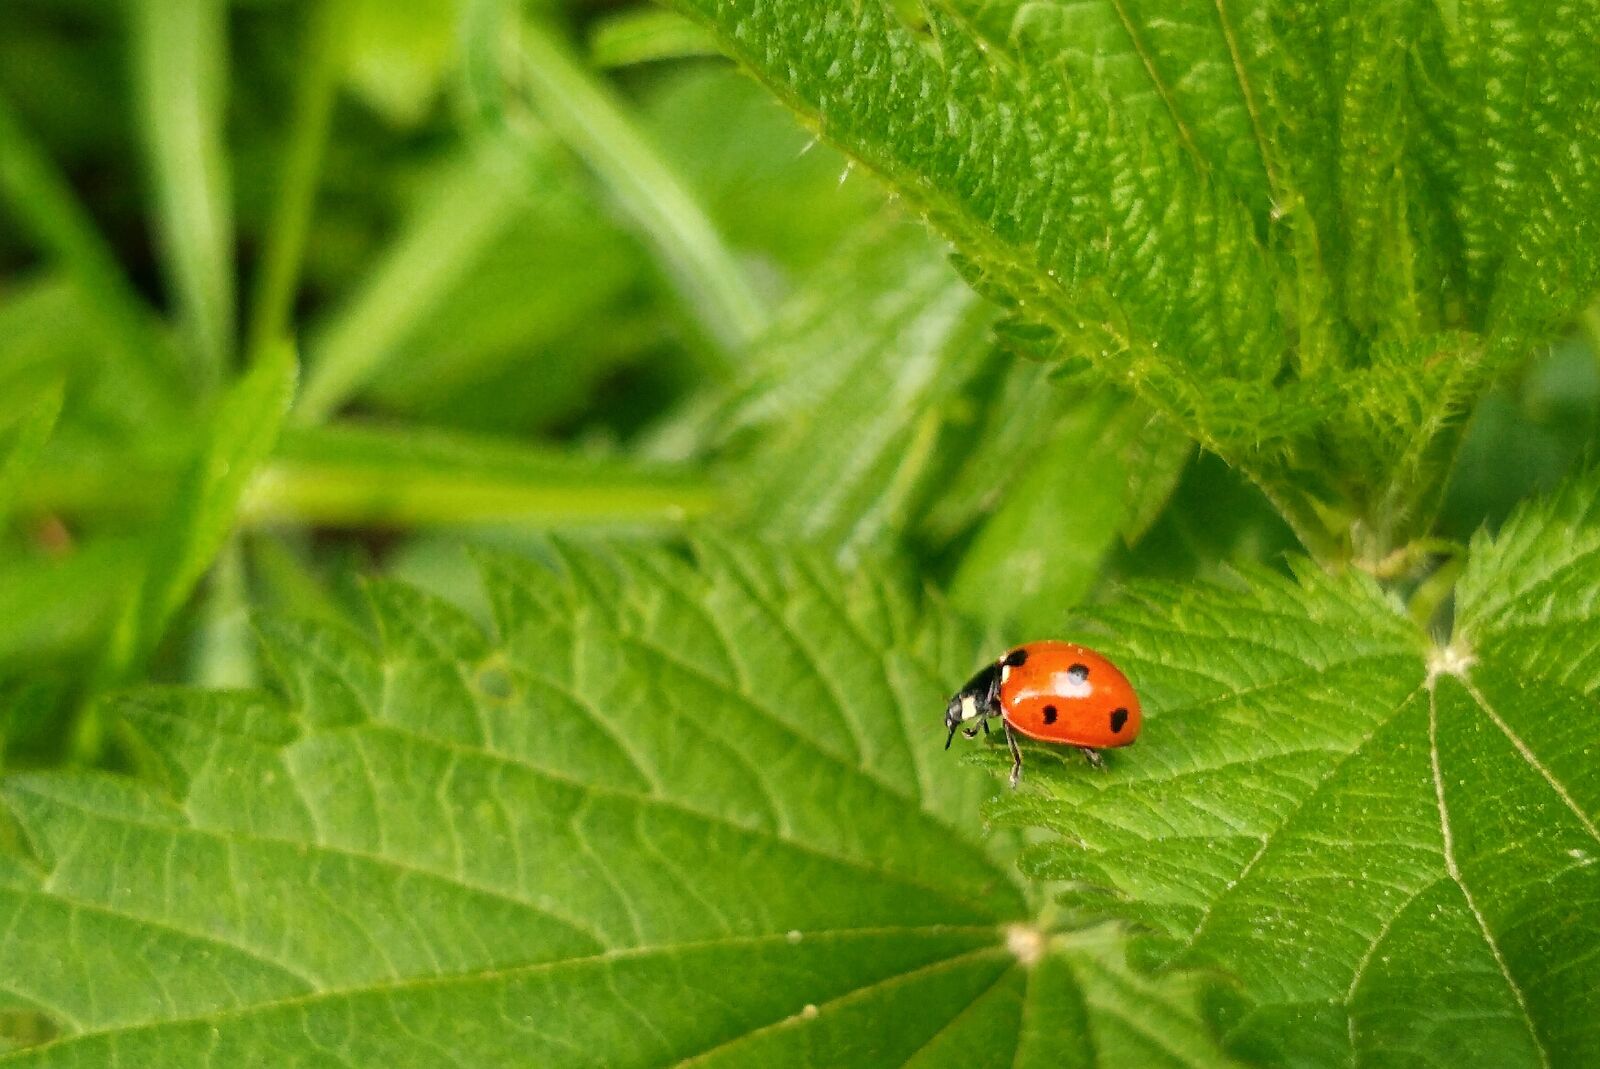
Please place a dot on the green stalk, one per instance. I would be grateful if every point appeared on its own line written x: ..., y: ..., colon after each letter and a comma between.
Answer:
x: 366, y: 479
x: 590, y: 118
x: 180, y: 61
x: 1300, y: 511
x: 469, y: 209
x: 301, y: 493
x: 586, y: 114
x: 278, y: 275
x: 224, y: 651
x: 648, y: 34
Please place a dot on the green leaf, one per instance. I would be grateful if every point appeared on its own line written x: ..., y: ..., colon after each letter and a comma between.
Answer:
x: 1025, y: 173
x: 180, y: 55
x: 666, y: 811
x: 487, y: 350
x: 283, y: 245
x: 1155, y: 455
x: 877, y: 408
x: 850, y: 404
x: 743, y: 154
x: 1309, y: 236
x: 598, y: 126
x: 440, y: 244
x: 1041, y: 550
x: 50, y: 606
x: 52, y: 329
x: 41, y: 198
x: 1391, y: 844
x: 242, y: 433
x: 21, y: 440
x: 397, y: 56
x: 645, y: 34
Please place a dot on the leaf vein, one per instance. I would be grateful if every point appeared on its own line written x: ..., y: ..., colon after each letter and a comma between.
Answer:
x: 1455, y: 874
x: 1529, y: 756
x: 1283, y: 822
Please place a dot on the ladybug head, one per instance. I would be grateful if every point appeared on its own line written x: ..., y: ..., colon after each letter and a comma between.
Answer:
x: 970, y: 702
x: 952, y: 719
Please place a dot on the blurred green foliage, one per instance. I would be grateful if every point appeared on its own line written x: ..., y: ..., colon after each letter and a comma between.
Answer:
x: 298, y: 292
x: 544, y: 269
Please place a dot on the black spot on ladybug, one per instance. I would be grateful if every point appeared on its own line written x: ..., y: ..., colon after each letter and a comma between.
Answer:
x: 1050, y: 714
x: 1078, y: 672
x: 1017, y: 658
x: 1118, y: 718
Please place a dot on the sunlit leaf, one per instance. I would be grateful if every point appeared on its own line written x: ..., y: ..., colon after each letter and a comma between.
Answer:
x: 663, y: 812
x: 1390, y: 842
x: 1308, y: 235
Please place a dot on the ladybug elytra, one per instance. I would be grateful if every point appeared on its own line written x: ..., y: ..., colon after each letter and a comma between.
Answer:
x: 1051, y: 691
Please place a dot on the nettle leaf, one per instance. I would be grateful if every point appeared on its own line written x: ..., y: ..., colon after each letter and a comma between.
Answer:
x: 1287, y: 227
x: 1105, y: 467
x: 1391, y: 844
x: 850, y: 404
x: 878, y: 409
x: 665, y: 811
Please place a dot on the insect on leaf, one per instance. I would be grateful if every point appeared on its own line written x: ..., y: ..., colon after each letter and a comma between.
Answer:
x: 663, y: 813
x: 1392, y: 844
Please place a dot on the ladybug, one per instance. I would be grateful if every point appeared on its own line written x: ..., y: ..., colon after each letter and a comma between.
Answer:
x: 1051, y: 691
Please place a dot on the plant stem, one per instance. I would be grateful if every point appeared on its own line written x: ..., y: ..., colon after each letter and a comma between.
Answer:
x: 471, y: 207
x: 224, y: 648
x: 594, y: 122
x: 1296, y: 510
x: 331, y: 495
x: 180, y: 60
x: 648, y: 34
x: 278, y: 274
x: 366, y: 480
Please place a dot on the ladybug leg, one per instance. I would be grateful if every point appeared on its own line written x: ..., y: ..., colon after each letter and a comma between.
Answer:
x: 1093, y: 757
x: 991, y: 704
x: 1016, y: 754
x: 991, y: 699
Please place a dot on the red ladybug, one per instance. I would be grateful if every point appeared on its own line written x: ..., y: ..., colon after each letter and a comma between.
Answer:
x: 1051, y: 691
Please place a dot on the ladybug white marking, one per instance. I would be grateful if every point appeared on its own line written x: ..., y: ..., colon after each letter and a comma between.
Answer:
x: 1076, y: 687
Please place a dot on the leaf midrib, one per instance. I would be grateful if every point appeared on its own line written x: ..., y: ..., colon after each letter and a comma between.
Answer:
x: 1252, y: 108
x: 1299, y: 806
x: 1454, y: 873
x: 481, y: 976
x: 1163, y: 91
